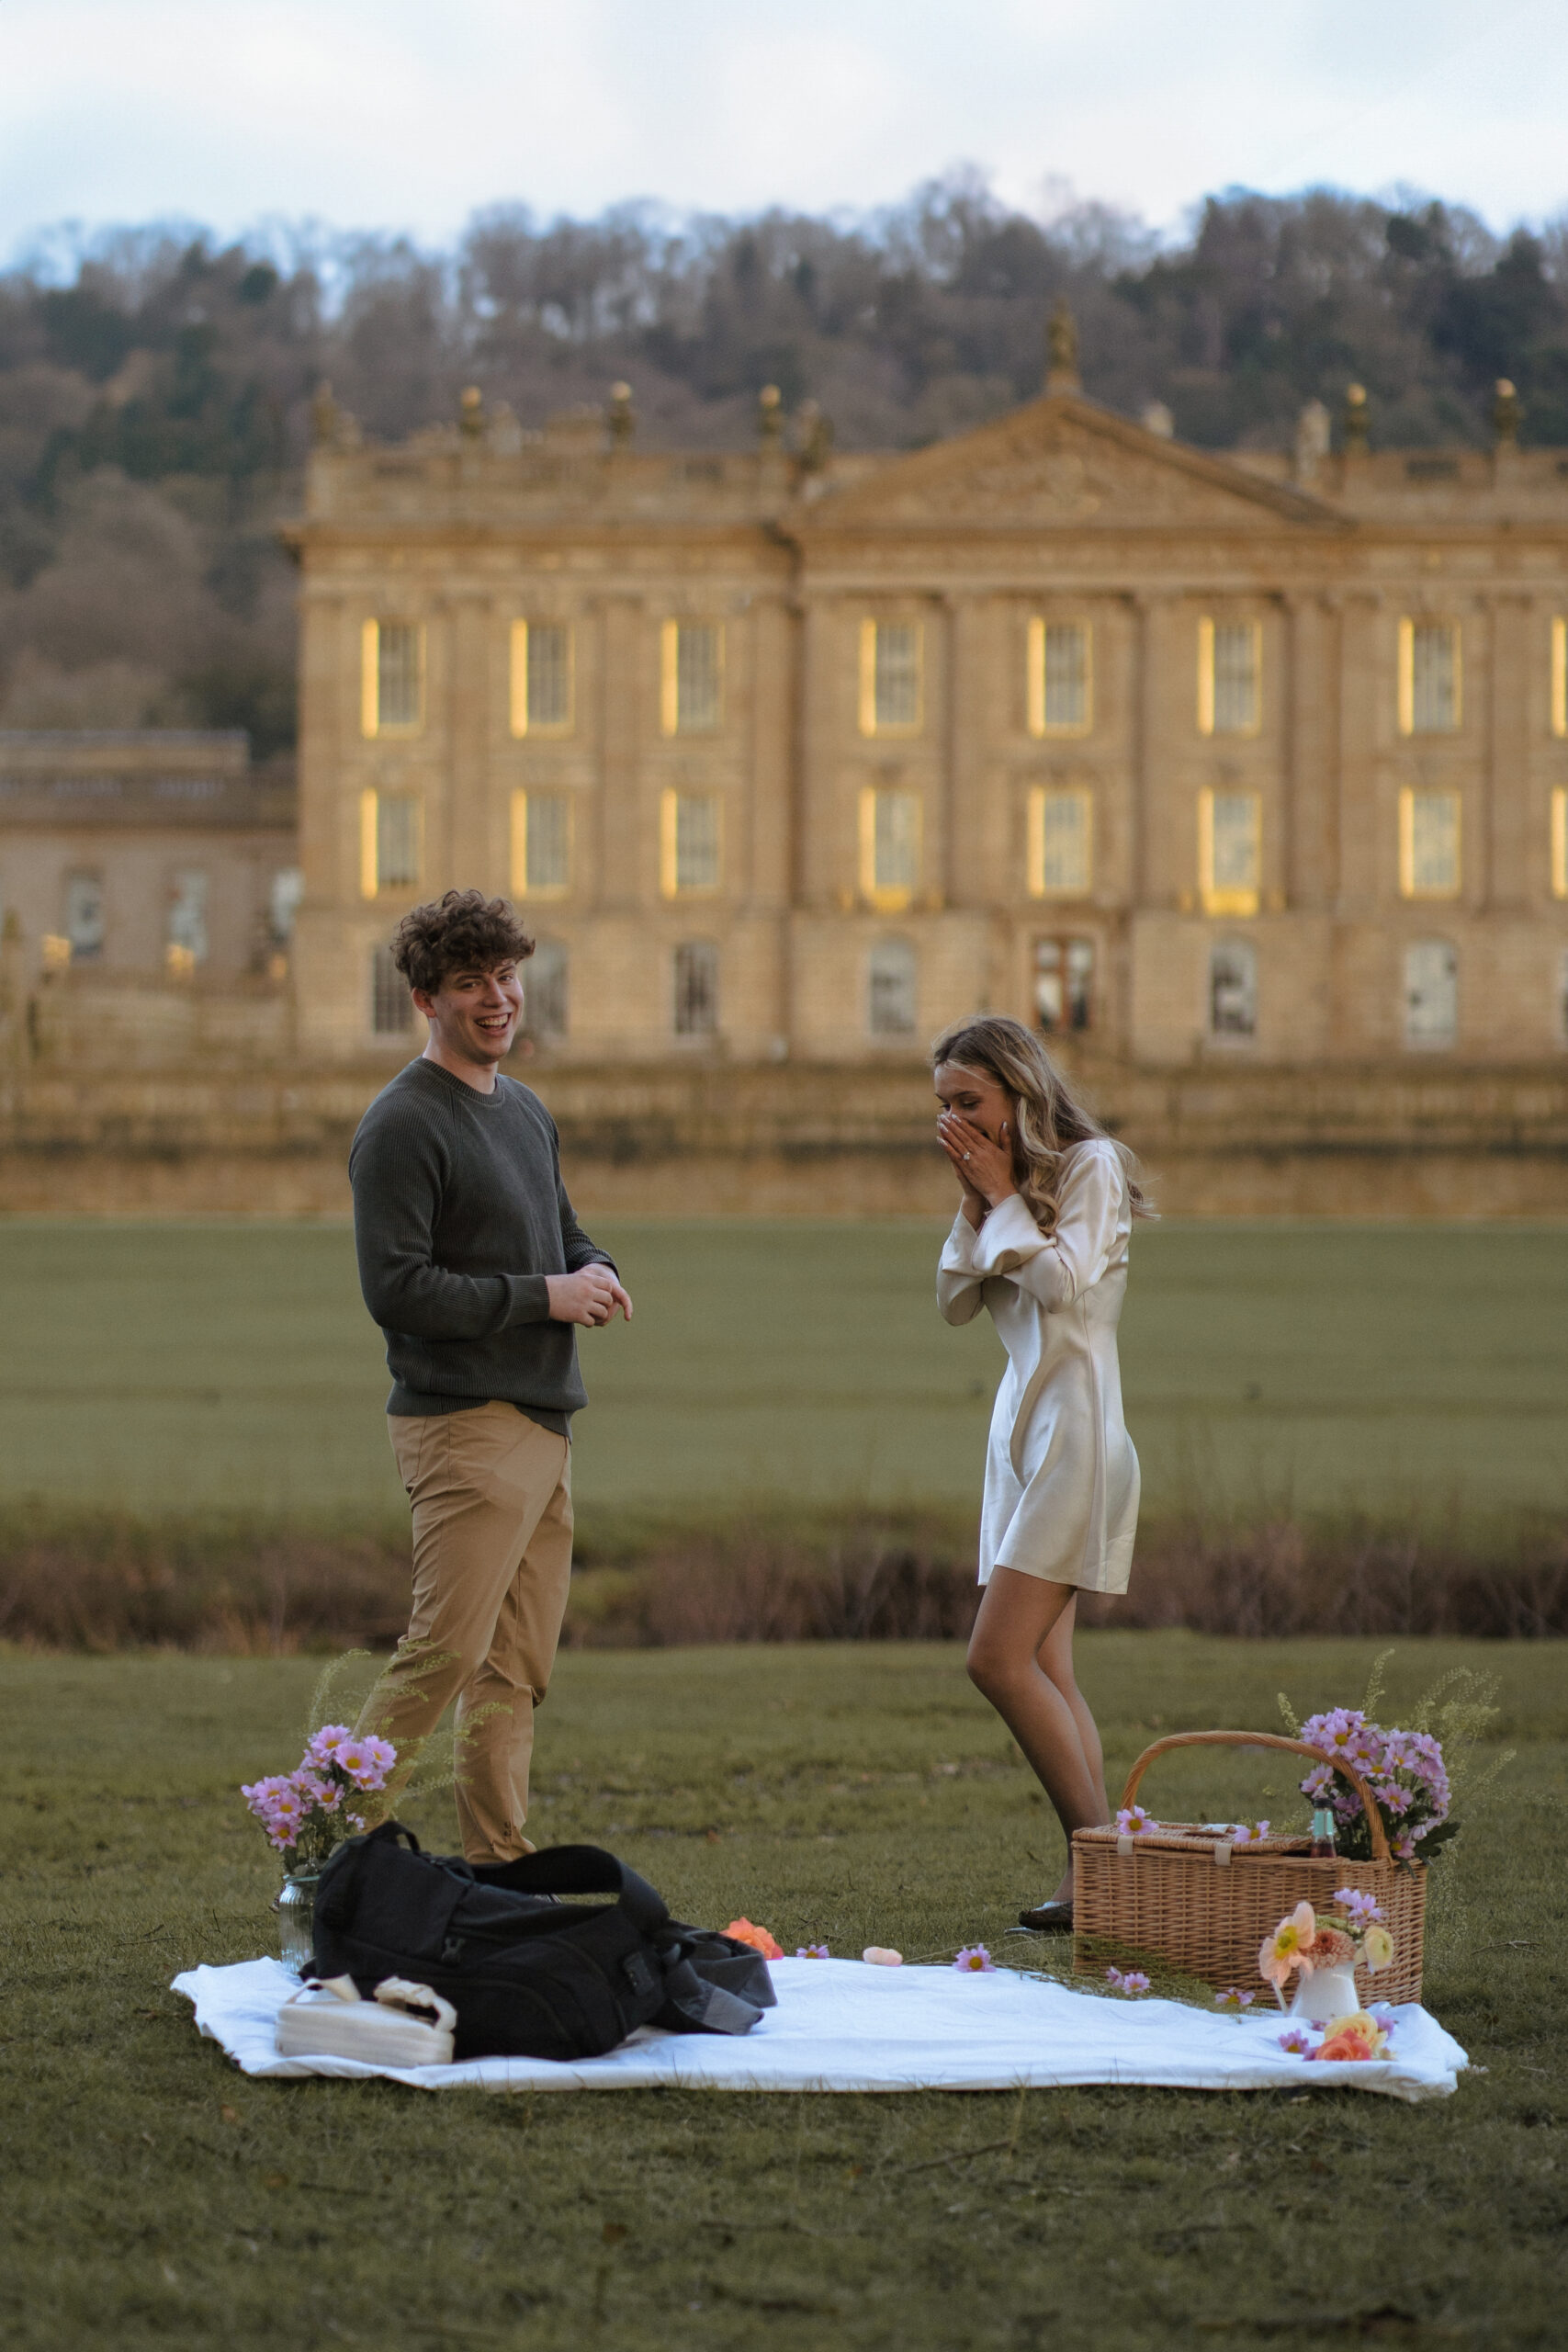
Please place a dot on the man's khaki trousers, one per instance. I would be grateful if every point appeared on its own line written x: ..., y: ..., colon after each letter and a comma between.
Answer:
x: 491, y: 1496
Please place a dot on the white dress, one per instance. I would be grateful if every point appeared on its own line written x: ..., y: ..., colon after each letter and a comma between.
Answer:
x: 1061, y: 1476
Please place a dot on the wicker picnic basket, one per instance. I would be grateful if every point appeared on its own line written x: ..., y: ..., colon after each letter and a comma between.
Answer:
x: 1199, y: 1903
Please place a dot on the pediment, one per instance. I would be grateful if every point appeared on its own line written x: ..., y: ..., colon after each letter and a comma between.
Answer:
x: 1065, y: 462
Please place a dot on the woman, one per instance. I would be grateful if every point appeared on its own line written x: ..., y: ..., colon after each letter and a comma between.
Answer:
x: 1041, y: 1241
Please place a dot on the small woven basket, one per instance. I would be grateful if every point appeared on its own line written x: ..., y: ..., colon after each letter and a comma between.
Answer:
x: 1195, y: 1900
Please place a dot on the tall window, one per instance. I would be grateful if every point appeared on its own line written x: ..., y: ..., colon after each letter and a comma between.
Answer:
x: 392, y: 678
x: 1559, y: 674
x: 286, y: 889
x: 1230, y: 677
x: 1230, y: 852
x: 889, y: 847
x: 541, y: 678
x: 1232, y: 990
x: 1560, y: 843
x: 696, y: 988
x: 541, y: 844
x: 391, y: 831
x: 544, y: 1002
x: 889, y: 678
x: 1061, y: 686
x: 391, y: 1007
x: 1428, y: 844
x: 1430, y: 677
x: 85, y: 923
x: 1060, y: 850
x: 1064, y: 984
x: 891, y: 981
x: 185, y: 937
x: 690, y: 694
x: 1431, y: 993
x: 691, y: 844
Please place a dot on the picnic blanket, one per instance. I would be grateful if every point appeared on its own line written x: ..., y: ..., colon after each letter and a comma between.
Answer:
x: 842, y: 2025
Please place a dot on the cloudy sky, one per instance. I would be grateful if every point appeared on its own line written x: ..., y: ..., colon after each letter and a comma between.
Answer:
x: 398, y: 113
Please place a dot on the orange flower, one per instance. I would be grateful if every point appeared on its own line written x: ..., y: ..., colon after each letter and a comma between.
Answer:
x: 1289, y: 1945
x: 758, y: 1938
x: 1356, y: 2036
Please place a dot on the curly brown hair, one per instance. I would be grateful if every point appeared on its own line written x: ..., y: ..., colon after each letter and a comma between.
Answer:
x: 464, y: 931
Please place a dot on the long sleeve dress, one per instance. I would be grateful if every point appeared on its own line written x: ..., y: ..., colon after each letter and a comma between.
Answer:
x: 1061, y: 1498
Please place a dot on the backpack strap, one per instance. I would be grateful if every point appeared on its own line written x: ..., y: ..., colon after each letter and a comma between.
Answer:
x: 693, y: 2005
x: 584, y: 1869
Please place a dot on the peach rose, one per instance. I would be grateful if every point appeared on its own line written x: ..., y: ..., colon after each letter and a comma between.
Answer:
x: 744, y: 1932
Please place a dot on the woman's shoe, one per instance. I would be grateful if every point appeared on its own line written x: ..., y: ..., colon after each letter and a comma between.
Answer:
x: 1048, y: 1918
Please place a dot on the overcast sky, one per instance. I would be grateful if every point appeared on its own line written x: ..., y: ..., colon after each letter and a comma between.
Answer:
x: 408, y: 115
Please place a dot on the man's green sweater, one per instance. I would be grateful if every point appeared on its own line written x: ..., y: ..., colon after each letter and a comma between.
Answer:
x: 459, y: 1217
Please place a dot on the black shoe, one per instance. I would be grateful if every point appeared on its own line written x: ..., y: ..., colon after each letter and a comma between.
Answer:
x: 1048, y: 1918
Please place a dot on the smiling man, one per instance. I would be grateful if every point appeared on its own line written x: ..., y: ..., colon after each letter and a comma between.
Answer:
x: 472, y: 1262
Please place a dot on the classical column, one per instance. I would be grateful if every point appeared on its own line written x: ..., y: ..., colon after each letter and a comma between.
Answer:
x: 1364, y: 857
x: 623, y: 856
x: 1505, y: 817
x: 471, y: 850
x: 967, y: 854
x: 1305, y: 861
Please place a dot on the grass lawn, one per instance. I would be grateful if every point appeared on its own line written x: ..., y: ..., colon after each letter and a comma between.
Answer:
x: 162, y: 1369
x: 155, y: 2197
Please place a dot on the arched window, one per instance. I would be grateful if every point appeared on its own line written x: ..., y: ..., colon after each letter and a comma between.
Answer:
x: 891, y: 982
x: 1431, y: 994
x: 1233, y: 989
x: 545, y: 1004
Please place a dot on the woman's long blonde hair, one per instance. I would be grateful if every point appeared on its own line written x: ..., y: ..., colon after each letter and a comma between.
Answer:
x: 1047, y: 1117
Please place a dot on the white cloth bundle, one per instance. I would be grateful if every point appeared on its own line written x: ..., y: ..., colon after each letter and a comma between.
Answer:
x: 405, y: 2025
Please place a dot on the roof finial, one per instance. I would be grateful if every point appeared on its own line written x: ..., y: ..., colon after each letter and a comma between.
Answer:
x: 1355, y: 442
x: 1061, y: 351
x: 620, y: 416
x: 770, y: 415
x: 1505, y: 414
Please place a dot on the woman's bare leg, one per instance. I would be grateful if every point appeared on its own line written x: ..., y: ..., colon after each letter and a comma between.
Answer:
x: 1022, y: 1637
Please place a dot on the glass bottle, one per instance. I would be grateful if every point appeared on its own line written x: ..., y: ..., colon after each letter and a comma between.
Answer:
x: 1323, y: 1833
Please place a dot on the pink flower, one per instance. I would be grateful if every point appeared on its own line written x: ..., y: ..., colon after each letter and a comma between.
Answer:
x: 812, y: 1952
x: 1246, y: 1837
x: 1233, y: 1998
x: 1130, y: 1980
x: 1296, y: 2043
x: 325, y: 1743
x: 1332, y: 1949
x: 974, y: 1958
x: 1130, y: 1820
x: 1288, y: 1946
x: 1358, y: 1906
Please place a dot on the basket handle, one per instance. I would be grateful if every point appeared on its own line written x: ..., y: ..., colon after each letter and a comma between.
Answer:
x: 1266, y: 1739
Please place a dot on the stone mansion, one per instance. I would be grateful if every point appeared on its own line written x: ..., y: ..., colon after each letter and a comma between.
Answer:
x: 793, y: 755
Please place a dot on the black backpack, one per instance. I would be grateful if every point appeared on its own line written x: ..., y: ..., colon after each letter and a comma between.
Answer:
x: 529, y: 1975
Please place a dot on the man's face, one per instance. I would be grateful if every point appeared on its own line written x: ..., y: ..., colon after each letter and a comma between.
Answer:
x: 475, y: 1013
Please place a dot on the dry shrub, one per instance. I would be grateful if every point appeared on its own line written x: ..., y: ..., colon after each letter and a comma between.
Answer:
x: 108, y: 1583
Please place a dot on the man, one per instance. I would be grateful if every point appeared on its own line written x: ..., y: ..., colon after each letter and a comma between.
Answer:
x: 473, y: 1264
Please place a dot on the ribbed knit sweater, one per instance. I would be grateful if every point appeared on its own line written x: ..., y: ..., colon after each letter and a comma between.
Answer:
x: 459, y: 1217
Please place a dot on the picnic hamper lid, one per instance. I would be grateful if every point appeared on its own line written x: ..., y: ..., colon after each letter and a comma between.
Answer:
x: 1192, y: 1836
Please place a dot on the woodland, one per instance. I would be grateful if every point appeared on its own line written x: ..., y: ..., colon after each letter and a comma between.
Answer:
x: 156, y: 383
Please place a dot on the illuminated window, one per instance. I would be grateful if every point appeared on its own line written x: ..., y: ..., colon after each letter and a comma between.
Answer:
x: 1230, y: 677
x: 391, y: 830
x: 545, y: 1004
x: 1064, y: 984
x: 889, y: 847
x: 391, y: 1007
x: 541, y: 844
x: 1233, y: 989
x: 1230, y: 852
x: 392, y: 678
x: 696, y: 988
x: 691, y: 677
x: 1431, y: 993
x: 1429, y: 677
x: 1559, y: 674
x: 84, y: 924
x: 891, y: 985
x: 889, y: 678
x: 1061, y: 842
x: 1560, y: 843
x: 691, y: 844
x: 1428, y: 844
x: 541, y: 678
x: 185, y: 936
x: 1061, y: 693
x: 283, y: 904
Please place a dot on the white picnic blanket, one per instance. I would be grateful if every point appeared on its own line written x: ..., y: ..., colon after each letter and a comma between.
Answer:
x: 842, y: 2025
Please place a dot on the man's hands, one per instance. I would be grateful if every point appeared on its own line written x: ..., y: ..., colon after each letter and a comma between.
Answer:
x: 591, y: 1296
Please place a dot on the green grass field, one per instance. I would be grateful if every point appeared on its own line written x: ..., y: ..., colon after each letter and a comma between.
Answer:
x: 155, y: 2198
x: 163, y: 1369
